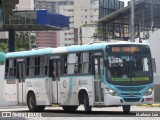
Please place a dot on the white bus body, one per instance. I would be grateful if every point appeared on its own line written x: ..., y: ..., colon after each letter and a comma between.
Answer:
x: 76, y: 75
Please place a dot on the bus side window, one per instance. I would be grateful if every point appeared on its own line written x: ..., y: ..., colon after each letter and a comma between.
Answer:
x: 7, y: 68
x: 78, y: 65
x: 65, y: 64
x: 71, y: 61
x: 101, y: 67
x: 37, y: 66
x: 86, y: 62
x: 98, y: 67
x: 12, y: 68
x: 32, y: 66
x: 43, y: 65
x: 51, y: 69
x: 27, y: 66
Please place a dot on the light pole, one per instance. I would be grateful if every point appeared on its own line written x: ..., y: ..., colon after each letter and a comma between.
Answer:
x: 132, y: 21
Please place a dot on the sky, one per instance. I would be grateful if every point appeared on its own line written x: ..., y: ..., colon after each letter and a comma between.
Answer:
x: 125, y: 1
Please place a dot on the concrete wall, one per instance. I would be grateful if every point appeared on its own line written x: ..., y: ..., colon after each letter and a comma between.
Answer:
x: 87, y: 34
x: 25, y: 5
x: 154, y: 43
x: 3, y: 35
x: 2, y: 103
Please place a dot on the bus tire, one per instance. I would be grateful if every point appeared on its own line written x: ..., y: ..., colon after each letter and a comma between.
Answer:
x: 87, y: 108
x: 70, y: 108
x: 126, y: 109
x: 31, y: 102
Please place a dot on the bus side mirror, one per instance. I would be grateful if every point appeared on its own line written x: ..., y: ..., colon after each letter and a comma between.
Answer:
x: 154, y: 65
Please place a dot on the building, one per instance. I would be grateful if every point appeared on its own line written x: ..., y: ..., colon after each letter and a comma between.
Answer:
x: 117, y: 25
x: 22, y: 5
x: 25, y: 5
x: 89, y: 34
x: 46, y: 38
x: 50, y: 38
x: 79, y: 13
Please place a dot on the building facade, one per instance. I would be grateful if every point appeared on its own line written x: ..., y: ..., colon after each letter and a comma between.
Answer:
x: 80, y: 14
x: 21, y: 6
x: 25, y: 5
x: 50, y: 38
x: 46, y: 39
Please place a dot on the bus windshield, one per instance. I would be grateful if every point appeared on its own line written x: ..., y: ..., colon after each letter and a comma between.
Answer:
x: 129, y: 65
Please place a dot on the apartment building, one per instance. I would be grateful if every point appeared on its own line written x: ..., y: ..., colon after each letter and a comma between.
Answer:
x: 79, y: 13
x: 49, y: 38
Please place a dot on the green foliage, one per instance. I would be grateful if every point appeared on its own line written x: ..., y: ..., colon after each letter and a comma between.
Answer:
x: 98, y: 33
x: 21, y: 42
x: 24, y: 40
x: 4, y: 47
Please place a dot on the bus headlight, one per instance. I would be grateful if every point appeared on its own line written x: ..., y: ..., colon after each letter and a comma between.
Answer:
x: 149, y: 91
x: 112, y: 92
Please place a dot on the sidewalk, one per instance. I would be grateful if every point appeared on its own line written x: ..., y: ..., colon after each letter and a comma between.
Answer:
x: 12, y: 107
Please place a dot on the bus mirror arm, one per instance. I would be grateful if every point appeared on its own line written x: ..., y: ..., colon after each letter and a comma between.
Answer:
x: 109, y: 76
x: 154, y: 65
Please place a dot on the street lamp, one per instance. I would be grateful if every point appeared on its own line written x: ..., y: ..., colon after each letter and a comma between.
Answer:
x: 132, y: 21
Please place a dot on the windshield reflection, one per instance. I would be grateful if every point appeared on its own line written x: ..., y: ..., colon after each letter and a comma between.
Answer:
x: 129, y: 68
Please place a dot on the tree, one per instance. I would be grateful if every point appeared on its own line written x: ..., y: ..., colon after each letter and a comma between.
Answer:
x: 98, y: 33
x: 24, y: 40
x: 4, y: 47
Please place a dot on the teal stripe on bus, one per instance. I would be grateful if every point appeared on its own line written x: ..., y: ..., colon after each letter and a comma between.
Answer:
x: 29, y: 53
x: 68, y: 100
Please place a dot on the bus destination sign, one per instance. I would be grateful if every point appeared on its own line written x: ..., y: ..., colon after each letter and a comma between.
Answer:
x: 125, y: 49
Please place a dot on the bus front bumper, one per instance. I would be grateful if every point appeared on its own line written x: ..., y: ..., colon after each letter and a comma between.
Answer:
x: 128, y: 100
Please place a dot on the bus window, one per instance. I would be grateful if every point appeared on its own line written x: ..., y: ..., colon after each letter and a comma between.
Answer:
x: 64, y: 64
x: 71, y: 61
x: 37, y: 66
x: 43, y: 65
x: 86, y: 62
x: 32, y: 66
x: 98, y: 67
x: 7, y: 67
x: 10, y: 68
x: 79, y: 63
x: 27, y: 66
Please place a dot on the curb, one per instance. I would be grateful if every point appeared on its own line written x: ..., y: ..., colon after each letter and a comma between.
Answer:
x: 150, y: 105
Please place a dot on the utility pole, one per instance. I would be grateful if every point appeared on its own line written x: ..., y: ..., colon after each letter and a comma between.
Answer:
x: 152, y: 20
x: 80, y: 35
x: 132, y: 21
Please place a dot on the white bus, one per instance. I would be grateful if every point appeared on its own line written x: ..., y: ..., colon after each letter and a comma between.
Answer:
x: 94, y: 75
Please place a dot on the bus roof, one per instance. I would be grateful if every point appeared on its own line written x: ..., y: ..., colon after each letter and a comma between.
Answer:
x: 29, y: 53
x: 73, y: 48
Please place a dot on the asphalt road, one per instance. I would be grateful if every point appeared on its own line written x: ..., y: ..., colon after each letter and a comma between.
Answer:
x: 116, y: 112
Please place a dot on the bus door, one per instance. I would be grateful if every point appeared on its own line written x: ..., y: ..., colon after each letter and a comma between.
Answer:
x: 54, y: 75
x: 21, y: 82
x: 98, y: 70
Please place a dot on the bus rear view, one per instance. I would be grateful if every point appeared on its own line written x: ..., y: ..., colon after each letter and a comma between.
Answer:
x: 129, y: 75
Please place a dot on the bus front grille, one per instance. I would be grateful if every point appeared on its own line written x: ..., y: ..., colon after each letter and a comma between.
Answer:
x: 130, y: 88
x: 129, y: 94
x: 131, y: 99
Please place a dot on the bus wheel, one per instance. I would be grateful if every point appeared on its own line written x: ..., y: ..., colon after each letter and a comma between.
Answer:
x: 126, y: 109
x: 69, y: 108
x: 87, y: 108
x: 31, y: 102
